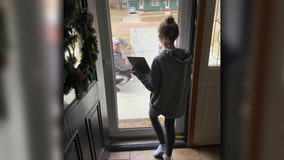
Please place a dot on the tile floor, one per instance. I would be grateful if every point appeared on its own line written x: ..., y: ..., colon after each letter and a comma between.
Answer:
x: 202, y: 153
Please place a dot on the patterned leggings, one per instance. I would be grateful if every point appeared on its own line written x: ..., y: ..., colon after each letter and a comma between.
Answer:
x: 170, y: 130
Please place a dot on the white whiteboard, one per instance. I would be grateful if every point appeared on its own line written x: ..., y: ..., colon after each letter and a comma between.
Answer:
x: 145, y: 43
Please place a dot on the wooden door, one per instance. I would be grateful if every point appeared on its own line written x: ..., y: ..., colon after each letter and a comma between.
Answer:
x: 85, y: 135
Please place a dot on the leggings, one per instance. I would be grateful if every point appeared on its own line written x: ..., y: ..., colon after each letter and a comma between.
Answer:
x: 170, y: 130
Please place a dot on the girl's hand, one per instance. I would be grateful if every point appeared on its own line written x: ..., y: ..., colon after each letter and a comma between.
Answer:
x: 133, y: 70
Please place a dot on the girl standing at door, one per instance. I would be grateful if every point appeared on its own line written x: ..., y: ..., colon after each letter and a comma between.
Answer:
x: 169, y: 84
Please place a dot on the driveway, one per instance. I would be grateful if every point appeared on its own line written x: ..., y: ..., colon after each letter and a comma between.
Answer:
x: 131, y: 18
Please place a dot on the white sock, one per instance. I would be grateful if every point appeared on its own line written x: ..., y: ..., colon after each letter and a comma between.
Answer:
x: 166, y: 157
x: 160, y: 150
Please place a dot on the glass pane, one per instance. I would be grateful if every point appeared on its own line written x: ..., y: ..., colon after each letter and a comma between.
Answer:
x: 136, y: 23
x: 214, y: 54
x: 75, y: 51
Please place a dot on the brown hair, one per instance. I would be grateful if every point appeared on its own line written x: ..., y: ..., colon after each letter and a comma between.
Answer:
x: 169, y: 29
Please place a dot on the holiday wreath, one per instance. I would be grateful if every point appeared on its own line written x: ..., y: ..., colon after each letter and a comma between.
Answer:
x: 78, y: 29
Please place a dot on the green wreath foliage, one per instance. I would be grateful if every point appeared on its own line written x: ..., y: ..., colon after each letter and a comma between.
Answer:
x: 78, y: 29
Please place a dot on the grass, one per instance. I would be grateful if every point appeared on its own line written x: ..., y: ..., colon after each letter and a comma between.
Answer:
x: 115, y: 19
x: 118, y: 12
x: 157, y: 13
x: 116, y: 15
x: 156, y: 18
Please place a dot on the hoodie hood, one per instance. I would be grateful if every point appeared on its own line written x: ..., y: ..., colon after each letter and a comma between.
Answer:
x: 179, y: 56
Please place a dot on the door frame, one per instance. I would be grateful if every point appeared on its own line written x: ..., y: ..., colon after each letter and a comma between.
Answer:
x: 195, y: 74
x: 203, y: 19
x: 106, y: 66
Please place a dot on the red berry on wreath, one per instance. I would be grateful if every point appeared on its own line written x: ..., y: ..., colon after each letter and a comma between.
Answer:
x: 77, y: 77
x: 95, y: 57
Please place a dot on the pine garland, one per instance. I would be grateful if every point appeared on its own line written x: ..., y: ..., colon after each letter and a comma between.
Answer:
x: 78, y: 28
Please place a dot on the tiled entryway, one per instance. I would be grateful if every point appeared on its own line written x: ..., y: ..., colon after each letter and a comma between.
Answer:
x: 202, y: 153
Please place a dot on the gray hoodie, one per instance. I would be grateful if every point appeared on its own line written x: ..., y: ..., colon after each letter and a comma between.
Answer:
x: 119, y: 66
x: 169, y: 82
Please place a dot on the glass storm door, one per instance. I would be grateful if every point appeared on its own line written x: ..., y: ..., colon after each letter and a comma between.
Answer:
x: 128, y: 114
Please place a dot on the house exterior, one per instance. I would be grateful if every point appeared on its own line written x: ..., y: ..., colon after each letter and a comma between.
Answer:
x: 154, y: 5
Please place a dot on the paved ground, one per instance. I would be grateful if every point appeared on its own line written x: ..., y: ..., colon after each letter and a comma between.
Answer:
x: 133, y: 100
x: 132, y: 18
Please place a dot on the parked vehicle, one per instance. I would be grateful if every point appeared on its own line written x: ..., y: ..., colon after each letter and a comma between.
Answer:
x: 132, y: 9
